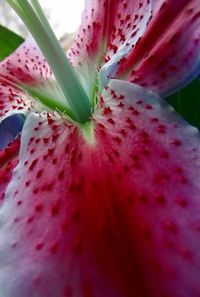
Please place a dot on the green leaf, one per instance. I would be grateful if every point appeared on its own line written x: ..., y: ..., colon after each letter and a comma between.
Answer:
x: 187, y: 102
x: 9, y: 41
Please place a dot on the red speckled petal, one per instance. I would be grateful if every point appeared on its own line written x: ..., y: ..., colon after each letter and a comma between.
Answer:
x: 90, y: 35
x: 155, y: 44
x: 168, y: 55
x: 25, y: 66
x: 109, y: 31
x: 117, y: 216
x: 109, y: 24
x: 8, y: 161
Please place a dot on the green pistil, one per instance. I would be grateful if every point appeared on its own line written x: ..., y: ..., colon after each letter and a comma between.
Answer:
x: 35, y: 20
x: 94, y: 94
x: 88, y: 133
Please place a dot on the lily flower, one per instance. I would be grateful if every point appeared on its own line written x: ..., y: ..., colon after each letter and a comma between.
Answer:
x: 103, y: 198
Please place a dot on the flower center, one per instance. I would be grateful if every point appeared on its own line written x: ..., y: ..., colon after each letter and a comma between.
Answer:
x: 79, y: 106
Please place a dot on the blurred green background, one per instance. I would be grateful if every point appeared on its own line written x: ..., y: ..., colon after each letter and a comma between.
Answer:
x: 187, y: 102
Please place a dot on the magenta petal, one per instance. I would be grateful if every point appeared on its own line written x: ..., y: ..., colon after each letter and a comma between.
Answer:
x: 8, y: 161
x: 108, y: 33
x: 152, y: 43
x: 107, y: 26
x: 88, y: 41
x: 25, y: 66
x: 117, y: 216
x: 168, y: 55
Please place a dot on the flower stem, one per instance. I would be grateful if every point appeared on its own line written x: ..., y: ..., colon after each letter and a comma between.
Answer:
x: 35, y: 20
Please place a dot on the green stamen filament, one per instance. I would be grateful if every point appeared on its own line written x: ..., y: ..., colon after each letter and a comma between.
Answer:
x: 47, y: 100
x: 35, y: 20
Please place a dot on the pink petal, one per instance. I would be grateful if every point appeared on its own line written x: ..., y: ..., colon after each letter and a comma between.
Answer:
x: 168, y: 56
x: 8, y: 161
x: 25, y: 66
x: 116, y: 216
x: 109, y: 25
x: 155, y: 44
x: 108, y: 32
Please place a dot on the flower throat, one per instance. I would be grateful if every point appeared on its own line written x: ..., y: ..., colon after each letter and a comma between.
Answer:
x: 79, y: 104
